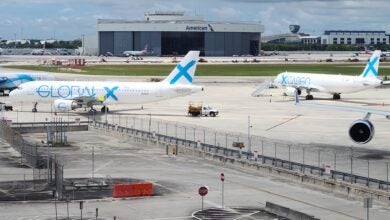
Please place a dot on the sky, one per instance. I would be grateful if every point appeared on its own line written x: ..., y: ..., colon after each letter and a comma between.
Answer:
x: 70, y: 19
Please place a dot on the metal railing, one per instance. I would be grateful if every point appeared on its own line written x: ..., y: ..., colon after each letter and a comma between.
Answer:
x: 344, y: 165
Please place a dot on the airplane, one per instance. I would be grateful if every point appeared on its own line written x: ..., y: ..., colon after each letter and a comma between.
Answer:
x: 10, y: 81
x: 366, y: 51
x: 136, y: 53
x: 362, y: 130
x: 385, y: 54
x: 329, y: 83
x: 70, y: 95
x: 39, y: 51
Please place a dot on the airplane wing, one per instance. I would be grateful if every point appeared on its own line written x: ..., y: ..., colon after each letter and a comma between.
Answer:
x: 343, y: 108
x: 313, y: 88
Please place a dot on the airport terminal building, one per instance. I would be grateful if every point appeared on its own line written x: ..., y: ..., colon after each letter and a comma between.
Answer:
x: 355, y: 37
x: 174, y: 33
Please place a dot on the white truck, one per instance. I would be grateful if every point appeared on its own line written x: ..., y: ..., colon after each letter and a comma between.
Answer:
x: 200, y: 110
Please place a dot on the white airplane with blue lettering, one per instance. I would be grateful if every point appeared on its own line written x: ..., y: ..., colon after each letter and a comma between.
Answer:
x: 70, y: 95
x: 330, y: 83
x: 10, y: 81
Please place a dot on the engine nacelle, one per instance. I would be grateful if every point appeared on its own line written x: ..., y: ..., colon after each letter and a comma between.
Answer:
x: 62, y: 105
x: 290, y: 91
x: 361, y: 131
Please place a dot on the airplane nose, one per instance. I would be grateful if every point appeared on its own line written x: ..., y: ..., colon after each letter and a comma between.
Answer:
x: 15, y: 96
x: 12, y: 93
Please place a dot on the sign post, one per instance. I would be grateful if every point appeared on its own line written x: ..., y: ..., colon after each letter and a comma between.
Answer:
x: 81, y: 209
x: 222, y: 181
x: 202, y: 192
x: 368, y: 205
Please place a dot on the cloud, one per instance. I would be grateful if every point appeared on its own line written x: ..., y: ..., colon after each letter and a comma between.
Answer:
x: 41, y: 18
x: 67, y: 10
x: 63, y: 18
x: 226, y: 13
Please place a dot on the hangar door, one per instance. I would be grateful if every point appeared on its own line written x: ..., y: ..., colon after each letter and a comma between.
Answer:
x: 179, y: 43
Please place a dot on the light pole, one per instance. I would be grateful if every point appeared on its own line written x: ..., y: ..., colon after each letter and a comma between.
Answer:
x: 93, y: 161
x: 67, y: 206
x: 150, y: 120
x: 83, y: 44
x: 249, y: 135
x: 48, y: 150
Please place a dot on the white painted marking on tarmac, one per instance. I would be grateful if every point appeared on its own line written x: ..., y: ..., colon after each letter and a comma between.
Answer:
x: 102, y: 166
x: 247, y: 215
x: 288, y: 120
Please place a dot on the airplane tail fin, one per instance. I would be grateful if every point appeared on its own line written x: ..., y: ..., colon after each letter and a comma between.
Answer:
x: 371, y: 70
x: 145, y: 50
x: 184, y: 71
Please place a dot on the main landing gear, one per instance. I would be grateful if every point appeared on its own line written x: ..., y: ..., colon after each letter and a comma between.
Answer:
x: 336, y: 96
x: 92, y: 111
x: 104, y: 109
x: 308, y: 96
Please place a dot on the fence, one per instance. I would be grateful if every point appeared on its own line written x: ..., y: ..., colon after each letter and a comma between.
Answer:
x: 348, y: 164
x: 46, y: 170
x: 29, y: 152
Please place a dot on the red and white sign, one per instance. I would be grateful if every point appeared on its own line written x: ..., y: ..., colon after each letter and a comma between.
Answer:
x: 328, y: 169
x: 203, y: 190
x: 222, y: 177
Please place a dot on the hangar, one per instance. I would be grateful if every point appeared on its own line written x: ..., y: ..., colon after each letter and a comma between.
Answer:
x: 174, y: 33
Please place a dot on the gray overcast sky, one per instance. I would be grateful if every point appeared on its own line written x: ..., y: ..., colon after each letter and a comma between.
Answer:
x: 69, y: 19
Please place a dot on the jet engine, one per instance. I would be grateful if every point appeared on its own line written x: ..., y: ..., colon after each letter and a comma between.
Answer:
x: 62, y: 105
x: 361, y: 131
x: 290, y: 91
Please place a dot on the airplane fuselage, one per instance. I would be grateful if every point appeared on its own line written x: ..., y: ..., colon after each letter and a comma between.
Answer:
x: 101, y: 92
x: 134, y: 53
x: 327, y: 83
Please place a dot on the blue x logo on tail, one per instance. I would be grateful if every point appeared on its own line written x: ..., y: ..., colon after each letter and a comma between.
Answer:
x: 370, y: 67
x: 183, y: 71
x: 110, y: 93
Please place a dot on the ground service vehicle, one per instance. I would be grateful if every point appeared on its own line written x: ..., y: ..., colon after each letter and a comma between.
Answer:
x: 200, y: 110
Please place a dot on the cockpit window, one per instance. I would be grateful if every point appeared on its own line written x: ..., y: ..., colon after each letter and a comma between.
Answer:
x: 20, y: 88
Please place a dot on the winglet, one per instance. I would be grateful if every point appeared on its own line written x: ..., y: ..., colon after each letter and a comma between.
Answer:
x: 296, y: 96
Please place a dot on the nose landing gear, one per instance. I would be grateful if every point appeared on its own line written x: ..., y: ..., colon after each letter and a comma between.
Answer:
x: 34, y: 109
x: 104, y: 109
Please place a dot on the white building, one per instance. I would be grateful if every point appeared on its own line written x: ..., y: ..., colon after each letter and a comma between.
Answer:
x: 168, y: 33
x: 354, y: 37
